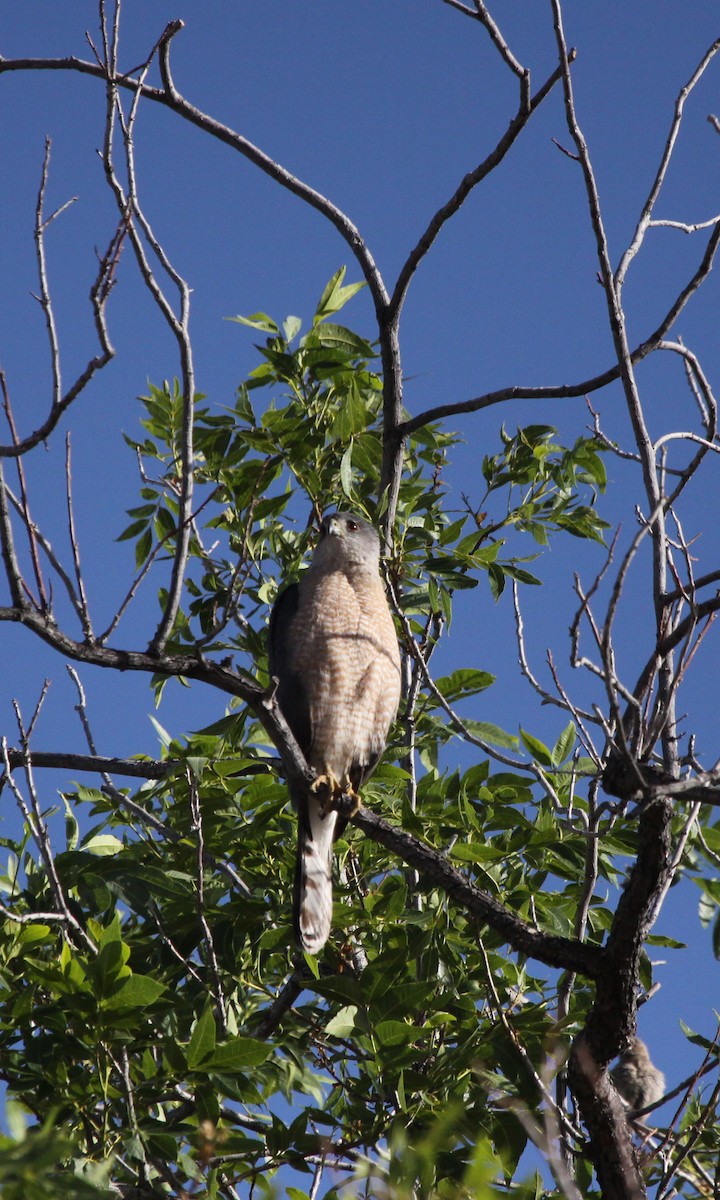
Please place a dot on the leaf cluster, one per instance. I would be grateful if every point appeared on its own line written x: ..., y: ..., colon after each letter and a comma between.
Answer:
x: 149, y: 1016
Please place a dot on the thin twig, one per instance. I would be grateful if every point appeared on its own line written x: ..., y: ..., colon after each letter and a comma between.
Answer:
x: 36, y: 824
x: 197, y: 826
x: 647, y: 210
x: 139, y: 228
x: 44, y: 544
x: 82, y: 598
x: 44, y: 297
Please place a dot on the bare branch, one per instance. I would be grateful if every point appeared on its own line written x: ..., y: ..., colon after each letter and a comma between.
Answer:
x: 561, y: 700
x: 172, y: 100
x: 13, y: 573
x: 46, y: 548
x: 23, y: 507
x: 470, y: 181
x: 456, y: 721
x: 683, y: 226
x: 82, y: 598
x: 44, y: 297
x: 136, y: 768
x: 646, y: 214
x: 574, y: 390
x: 36, y: 824
x: 137, y: 224
x: 481, y: 14
x: 99, y: 293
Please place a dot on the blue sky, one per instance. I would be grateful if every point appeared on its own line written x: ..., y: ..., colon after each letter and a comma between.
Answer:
x: 383, y: 107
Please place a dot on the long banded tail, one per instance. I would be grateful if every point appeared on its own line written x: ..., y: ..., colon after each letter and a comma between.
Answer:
x: 312, y: 907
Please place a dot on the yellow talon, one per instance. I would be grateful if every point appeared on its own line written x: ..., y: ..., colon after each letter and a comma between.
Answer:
x: 351, y: 794
x: 331, y: 790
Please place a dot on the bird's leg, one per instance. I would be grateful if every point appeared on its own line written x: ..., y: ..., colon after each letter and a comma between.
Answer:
x: 328, y: 789
x: 331, y: 790
x: 349, y: 791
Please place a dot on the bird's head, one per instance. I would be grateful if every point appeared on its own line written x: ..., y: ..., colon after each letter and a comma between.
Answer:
x: 347, y: 538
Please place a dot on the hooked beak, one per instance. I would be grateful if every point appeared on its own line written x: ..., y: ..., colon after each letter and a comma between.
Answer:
x: 333, y: 527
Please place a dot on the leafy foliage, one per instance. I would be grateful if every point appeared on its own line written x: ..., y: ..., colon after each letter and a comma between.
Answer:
x: 159, y: 1035
x: 144, y: 1025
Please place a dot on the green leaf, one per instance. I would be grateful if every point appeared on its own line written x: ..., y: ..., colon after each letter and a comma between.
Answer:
x: 346, y: 470
x: 477, y: 852
x: 334, y: 296
x: 16, y: 1119
x: 491, y: 733
x: 258, y: 320
x: 339, y: 338
x: 564, y: 744
x: 342, y: 1024
x: 291, y: 327
x: 238, y: 1055
x: 103, y: 844
x: 138, y: 991
x: 395, y: 1033
x: 537, y: 749
x: 143, y: 546
x: 110, y: 965
x: 466, y: 681
x: 203, y: 1040
x: 496, y: 577
x: 162, y: 733
x: 133, y: 530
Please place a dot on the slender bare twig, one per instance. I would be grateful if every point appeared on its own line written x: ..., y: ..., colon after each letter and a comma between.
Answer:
x: 590, y: 876
x: 584, y: 387
x: 683, y: 226
x: 82, y: 598
x: 36, y: 824
x: 481, y: 14
x: 647, y: 210
x: 149, y: 770
x: 317, y: 1179
x: 141, y: 574
x: 197, y: 826
x: 99, y: 293
x: 44, y: 297
x: 692, y: 1135
x: 456, y: 721
x: 23, y: 508
x: 40, y: 539
x: 559, y: 701
x: 171, y: 99
x: 16, y: 584
x: 676, y: 860
x: 515, y: 1040
x: 470, y: 181
x: 579, y: 716
x: 139, y: 228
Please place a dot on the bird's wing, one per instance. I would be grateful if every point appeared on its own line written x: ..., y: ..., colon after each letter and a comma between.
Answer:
x: 291, y: 694
x: 312, y: 900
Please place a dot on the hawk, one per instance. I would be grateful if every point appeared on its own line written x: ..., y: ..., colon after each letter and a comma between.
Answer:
x: 334, y: 653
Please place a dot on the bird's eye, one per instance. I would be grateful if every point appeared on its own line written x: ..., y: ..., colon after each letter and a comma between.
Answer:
x: 352, y: 526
